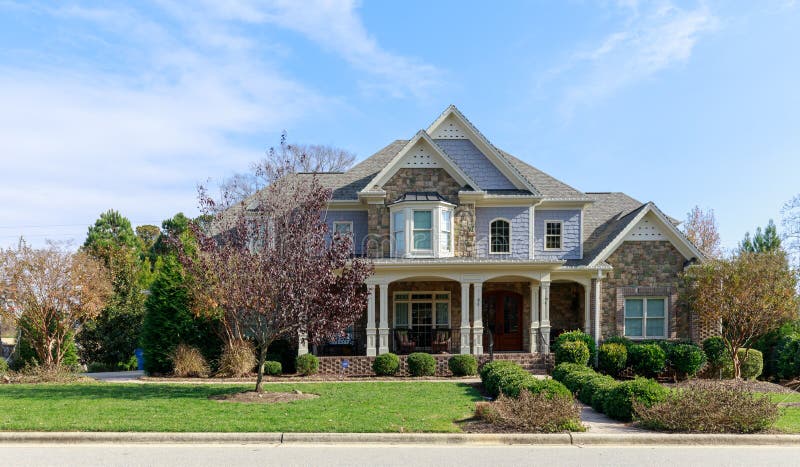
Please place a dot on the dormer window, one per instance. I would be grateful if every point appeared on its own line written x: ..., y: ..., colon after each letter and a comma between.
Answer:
x: 500, y: 236
x: 421, y: 226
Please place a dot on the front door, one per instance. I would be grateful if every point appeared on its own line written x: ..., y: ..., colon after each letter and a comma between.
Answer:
x: 502, y: 313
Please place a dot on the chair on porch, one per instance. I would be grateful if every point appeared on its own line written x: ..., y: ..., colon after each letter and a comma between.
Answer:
x: 441, y: 341
x: 404, y: 343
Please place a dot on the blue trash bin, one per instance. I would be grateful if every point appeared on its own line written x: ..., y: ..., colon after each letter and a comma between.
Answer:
x: 139, y: 358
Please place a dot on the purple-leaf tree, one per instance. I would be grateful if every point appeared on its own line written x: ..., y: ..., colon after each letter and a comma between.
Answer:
x: 269, y: 268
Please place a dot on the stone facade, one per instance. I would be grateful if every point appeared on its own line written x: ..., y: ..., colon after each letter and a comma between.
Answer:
x: 464, y: 226
x: 566, y: 307
x: 644, y: 268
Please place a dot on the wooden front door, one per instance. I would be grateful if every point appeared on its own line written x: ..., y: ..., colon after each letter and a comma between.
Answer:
x: 502, y: 313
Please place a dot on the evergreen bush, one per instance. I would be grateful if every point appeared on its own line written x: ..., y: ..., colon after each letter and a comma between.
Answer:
x: 386, y: 364
x: 572, y: 352
x: 463, y: 365
x: 612, y: 358
x: 647, y: 359
x: 421, y: 364
x: 576, y: 335
x: 273, y: 368
x: 307, y: 364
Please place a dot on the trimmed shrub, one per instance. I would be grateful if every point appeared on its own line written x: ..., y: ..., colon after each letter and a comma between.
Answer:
x: 96, y: 367
x: 575, y: 380
x: 716, y: 353
x: 572, y: 352
x: 506, y: 379
x: 238, y: 359
x: 619, y: 340
x: 307, y: 364
x: 612, y: 358
x: 647, y: 359
x: 686, y: 359
x: 619, y: 402
x: 601, y: 391
x: 490, y: 374
x: 463, y: 365
x: 421, y: 364
x: 787, y: 357
x: 577, y: 335
x: 273, y: 368
x: 561, y: 370
x: 549, y: 387
x: 751, y: 362
x: 188, y: 362
x: 587, y: 392
x: 709, y: 410
x: 386, y: 364
x: 131, y: 365
x: 532, y: 413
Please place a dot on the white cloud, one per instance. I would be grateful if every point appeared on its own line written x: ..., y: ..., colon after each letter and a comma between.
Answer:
x: 652, y: 40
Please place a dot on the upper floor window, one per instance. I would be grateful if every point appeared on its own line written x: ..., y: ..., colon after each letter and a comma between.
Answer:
x: 423, y: 230
x: 447, y: 230
x: 398, y: 232
x: 645, y: 317
x: 343, y: 229
x: 552, y: 235
x: 500, y: 236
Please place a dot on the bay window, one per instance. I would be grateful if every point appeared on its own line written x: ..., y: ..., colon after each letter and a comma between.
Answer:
x: 421, y: 229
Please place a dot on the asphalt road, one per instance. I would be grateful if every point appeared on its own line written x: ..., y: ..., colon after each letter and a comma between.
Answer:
x: 398, y: 455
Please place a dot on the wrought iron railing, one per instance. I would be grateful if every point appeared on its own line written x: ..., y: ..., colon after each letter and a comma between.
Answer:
x: 426, y: 339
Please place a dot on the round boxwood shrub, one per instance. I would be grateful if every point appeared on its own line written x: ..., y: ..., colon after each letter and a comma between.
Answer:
x: 716, y: 352
x: 307, y: 364
x: 601, y: 389
x: 386, y: 364
x: 751, y: 362
x: 612, y: 358
x: 273, y: 368
x: 507, y: 380
x: 463, y: 365
x: 549, y: 387
x: 647, y: 359
x: 577, y: 335
x: 561, y: 370
x: 619, y: 403
x: 575, y: 380
x: 588, y: 389
x: 572, y: 352
x: 686, y: 359
x: 421, y: 364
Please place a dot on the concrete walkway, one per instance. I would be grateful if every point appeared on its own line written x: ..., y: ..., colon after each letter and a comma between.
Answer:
x: 117, y: 376
x: 599, y: 423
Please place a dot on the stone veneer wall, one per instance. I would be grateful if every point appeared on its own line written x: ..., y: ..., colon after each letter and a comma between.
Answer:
x: 644, y: 268
x: 566, y: 307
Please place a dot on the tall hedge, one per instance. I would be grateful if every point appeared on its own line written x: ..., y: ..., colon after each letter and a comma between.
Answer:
x: 169, y: 322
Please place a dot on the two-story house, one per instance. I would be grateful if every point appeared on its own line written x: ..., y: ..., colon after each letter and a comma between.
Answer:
x: 473, y: 247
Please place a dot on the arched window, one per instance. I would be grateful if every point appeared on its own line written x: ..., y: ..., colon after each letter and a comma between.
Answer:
x: 499, y: 236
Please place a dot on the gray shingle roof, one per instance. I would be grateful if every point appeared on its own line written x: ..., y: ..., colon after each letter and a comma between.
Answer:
x: 549, y: 187
x: 604, y: 219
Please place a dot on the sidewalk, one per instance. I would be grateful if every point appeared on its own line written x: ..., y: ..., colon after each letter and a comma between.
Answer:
x: 599, y: 423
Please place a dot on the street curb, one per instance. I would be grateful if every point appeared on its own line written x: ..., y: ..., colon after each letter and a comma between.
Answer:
x: 565, y: 439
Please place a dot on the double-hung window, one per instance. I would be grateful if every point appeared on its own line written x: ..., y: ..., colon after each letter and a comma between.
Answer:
x: 399, y: 232
x: 447, y: 230
x: 552, y: 235
x: 646, y: 318
x: 423, y: 231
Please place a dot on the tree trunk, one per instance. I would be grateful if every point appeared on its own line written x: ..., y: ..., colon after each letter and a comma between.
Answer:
x: 262, y: 356
x: 737, y: 366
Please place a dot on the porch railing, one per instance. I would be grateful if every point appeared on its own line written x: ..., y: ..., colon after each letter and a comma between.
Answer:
x: 426, y: 339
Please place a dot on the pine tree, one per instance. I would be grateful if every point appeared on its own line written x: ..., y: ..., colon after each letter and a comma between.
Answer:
x: 767, y: 241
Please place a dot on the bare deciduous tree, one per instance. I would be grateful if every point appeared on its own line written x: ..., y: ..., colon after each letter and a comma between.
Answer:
x: 292, y: 158
x: 750, y: 295
x: 791, y: 228
x: 701, y: 228
x: 54, y: 291
x: 264, y: 267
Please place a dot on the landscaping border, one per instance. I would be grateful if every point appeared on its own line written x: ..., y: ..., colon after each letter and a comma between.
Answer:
x: 360, y: 365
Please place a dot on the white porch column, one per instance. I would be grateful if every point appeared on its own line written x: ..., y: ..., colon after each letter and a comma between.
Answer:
x: 477, y: 319
x: 371, y: 331
x: 587, y: 308
x: 544, y: 323
x: 465, y: 329
x: 383, y: 326
x: 598, y: 306
x: 534, y: 330
x: 302, y: 343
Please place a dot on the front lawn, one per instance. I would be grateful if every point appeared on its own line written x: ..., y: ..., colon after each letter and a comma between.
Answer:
x: 789, y: 420
x: 341, y: 407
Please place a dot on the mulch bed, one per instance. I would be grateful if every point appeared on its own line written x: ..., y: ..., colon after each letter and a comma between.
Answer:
x: 754, y: 386
x: 252, y: 397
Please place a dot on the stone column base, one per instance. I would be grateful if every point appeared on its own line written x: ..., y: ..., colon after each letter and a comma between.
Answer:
x: 383, y: 341
x: 477, y: 341
x: 371, y: 343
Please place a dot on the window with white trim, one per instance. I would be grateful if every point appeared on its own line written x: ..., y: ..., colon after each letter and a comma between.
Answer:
x: 399, y: 232
x: 646, y: 317
x: 552, y: 235
x: 423, y: 230
x: 416, y: 310
x: 500, y: 236
x: 343, y: 229
x: 447, y: 229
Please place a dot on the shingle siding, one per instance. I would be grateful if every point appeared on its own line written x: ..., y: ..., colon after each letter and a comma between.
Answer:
x: 571, y: 240
x: 359, y: 220
x: 520, y: 228
x: 472, y: 161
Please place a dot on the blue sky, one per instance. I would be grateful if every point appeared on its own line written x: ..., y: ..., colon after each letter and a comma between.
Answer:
x: 105, y: 105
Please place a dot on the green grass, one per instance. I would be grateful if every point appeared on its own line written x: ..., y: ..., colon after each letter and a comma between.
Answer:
x: 789, y: 420
x: 341, y: 407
